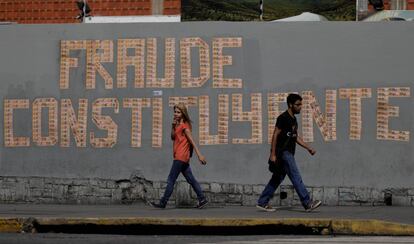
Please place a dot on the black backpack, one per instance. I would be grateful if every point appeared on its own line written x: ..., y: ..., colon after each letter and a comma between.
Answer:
x: 277, y: 167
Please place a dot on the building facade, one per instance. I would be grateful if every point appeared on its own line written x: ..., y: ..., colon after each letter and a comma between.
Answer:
x: 396, y: 5
x: 65, y: 11
x: 366, y: 9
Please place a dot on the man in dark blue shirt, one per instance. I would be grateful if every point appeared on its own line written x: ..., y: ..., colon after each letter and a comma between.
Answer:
x: 285, y: 137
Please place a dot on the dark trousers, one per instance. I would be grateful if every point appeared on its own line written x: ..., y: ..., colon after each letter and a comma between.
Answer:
x: 184, y: 168
x: 290, y: 168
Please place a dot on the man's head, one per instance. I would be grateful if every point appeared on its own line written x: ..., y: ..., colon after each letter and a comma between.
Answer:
x: 294, y: 102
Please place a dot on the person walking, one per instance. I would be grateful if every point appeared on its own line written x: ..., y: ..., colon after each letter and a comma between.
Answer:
x: 282, y: 161
x: 182, y: 151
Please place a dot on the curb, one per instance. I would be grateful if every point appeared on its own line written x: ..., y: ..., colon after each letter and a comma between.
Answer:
x: 371, y: 227
x: 318, y: 226
x: 11, y: 225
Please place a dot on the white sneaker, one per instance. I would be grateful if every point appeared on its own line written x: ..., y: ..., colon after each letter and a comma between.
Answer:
x: 266, y: 208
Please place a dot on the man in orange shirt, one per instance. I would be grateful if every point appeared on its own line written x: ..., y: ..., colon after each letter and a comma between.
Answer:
x: 183, y: 147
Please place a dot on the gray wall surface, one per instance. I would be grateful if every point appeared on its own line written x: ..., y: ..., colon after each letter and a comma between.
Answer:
x: 273, y: 58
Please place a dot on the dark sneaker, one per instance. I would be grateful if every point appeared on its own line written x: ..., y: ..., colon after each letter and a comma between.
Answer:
x: 266, y: 208
x: 313, y: 205
x: 202, y: 204
x: 157, y: 205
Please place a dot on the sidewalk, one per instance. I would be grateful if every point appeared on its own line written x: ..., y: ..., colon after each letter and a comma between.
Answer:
x: 355, y: 220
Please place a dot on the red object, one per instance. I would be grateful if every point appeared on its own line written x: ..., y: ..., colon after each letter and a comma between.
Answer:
x: 181, y: 143
x: 387, y: 5
x: 65, y: 11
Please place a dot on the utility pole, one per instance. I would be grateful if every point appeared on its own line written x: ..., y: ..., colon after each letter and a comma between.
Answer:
x: 357, y: 10
x: 261, y: 10
x: 84, y: 11
x: 84, y: 7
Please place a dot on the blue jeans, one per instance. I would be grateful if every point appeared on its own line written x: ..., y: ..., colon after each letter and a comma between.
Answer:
x: 290, y: 168
x: 184, y: 168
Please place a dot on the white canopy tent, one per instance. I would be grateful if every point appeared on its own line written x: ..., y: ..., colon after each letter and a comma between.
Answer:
x: 305, y: 16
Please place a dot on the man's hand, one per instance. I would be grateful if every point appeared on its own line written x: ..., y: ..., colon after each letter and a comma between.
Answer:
x: 202, y: 160
x: 311, y: 151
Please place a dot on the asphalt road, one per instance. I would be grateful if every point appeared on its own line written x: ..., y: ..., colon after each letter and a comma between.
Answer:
x: 127, y: 239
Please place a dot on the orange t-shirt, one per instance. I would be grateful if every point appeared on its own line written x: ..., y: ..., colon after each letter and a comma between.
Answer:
x: 181, y: 143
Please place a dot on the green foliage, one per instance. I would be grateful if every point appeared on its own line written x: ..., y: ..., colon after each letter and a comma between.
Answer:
x: 248, y: 10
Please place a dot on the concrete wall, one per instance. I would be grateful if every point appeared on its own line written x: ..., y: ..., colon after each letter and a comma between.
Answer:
x: 137, y: 189
x: 272, y: 58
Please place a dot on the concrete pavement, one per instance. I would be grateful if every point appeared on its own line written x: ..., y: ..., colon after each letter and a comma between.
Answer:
x: 141, y: 219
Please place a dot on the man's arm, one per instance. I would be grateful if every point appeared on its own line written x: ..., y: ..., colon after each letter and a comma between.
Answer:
x: 276, y: 132
x: 305, y: 145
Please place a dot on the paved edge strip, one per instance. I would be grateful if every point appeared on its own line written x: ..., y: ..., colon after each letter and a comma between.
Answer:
x: 330, y: 226
x: 11, y: 225
x: 371, y: 227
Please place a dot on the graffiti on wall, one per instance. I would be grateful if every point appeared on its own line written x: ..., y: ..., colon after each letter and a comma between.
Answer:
x: 66, y: 121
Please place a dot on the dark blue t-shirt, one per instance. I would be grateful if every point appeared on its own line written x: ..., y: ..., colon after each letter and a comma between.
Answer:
x: 286, y: 140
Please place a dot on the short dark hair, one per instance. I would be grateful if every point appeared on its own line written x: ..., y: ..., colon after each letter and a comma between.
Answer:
x: 292, y: 98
